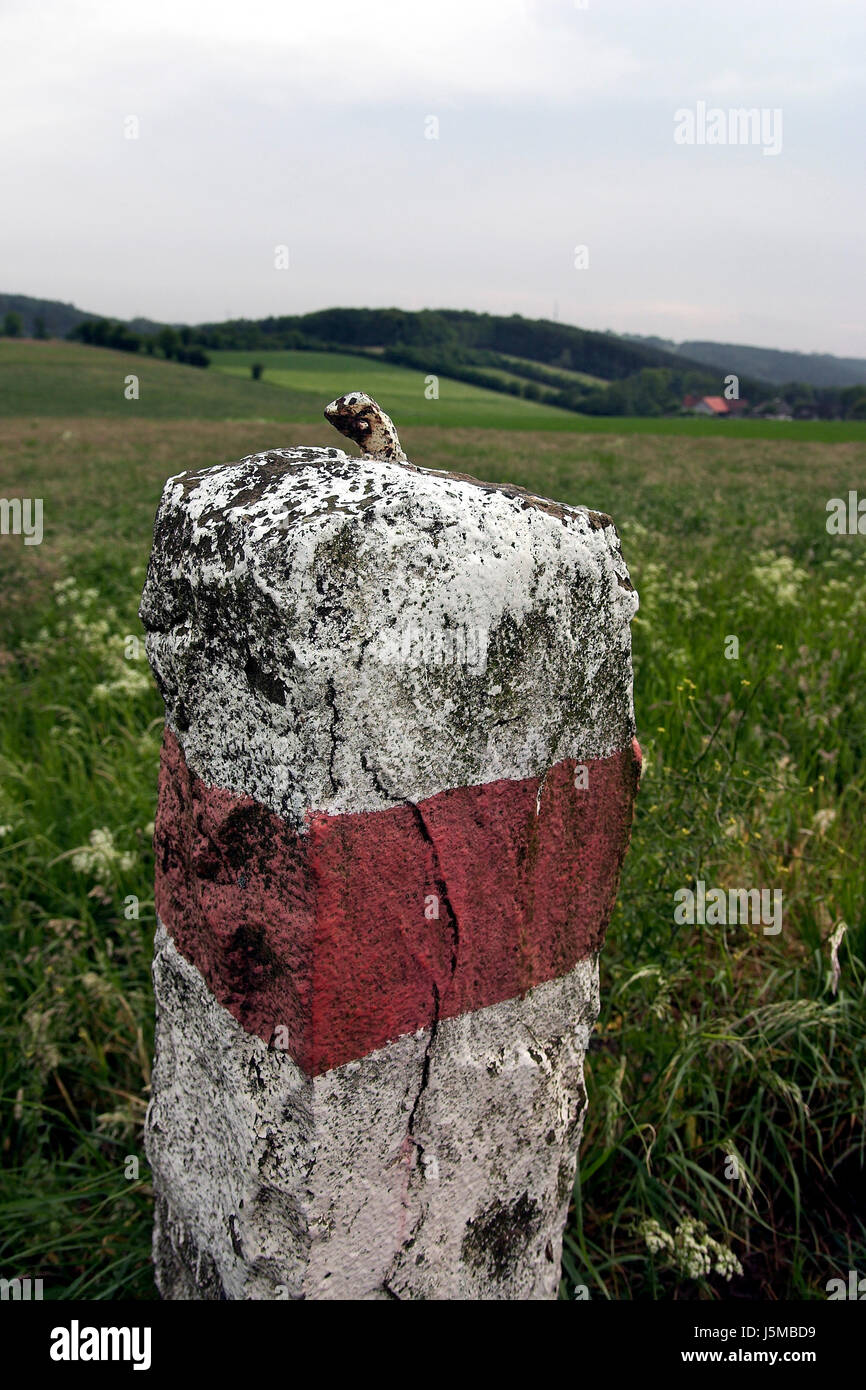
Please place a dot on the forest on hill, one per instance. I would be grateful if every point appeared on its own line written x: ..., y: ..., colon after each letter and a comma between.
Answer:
x: 541, y: 360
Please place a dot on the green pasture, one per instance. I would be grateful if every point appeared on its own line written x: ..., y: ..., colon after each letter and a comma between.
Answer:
x: 724, y: 1146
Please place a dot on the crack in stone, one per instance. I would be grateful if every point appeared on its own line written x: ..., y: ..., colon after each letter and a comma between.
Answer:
x: 542, y: 1058
x: 393, y: 1268
x: 426, y: 1065
x: 425, y: 1072
x: 331, y: 697
x: 442, y: 888
x: 362, y: 649
x: 441, y: 883
x: 375, y: 777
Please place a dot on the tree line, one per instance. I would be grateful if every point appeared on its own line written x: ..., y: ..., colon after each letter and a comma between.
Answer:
x: 177, y: 344
x: 537, y: 359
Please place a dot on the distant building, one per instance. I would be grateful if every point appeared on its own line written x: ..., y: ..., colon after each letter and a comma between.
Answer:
x: 706, y: 405
x: 777, y: 409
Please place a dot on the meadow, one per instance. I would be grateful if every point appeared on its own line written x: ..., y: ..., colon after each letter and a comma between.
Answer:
x: 725, y: 1149
x: 57, y: 379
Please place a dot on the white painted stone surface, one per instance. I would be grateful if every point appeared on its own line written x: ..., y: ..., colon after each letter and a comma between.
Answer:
x: 292, y: 604
x: 281, y: 602
x: 439, y: 1167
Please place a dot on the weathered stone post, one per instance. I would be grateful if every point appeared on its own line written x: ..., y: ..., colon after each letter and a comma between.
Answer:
x: 395, y: 795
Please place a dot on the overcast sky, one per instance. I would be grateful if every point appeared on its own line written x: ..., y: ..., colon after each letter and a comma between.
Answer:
x: 278, y: 123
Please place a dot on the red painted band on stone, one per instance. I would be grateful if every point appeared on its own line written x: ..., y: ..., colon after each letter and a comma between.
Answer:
x: 329, y: 943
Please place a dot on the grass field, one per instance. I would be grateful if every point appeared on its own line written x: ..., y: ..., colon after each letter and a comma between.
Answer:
x: 714, y: 1044
x: 399, y: 390
x: 583, y: 378
x: 57, y: 379
x: 60, y: 379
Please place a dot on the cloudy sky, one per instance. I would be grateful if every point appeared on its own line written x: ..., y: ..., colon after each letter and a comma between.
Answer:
x: 305, y: 124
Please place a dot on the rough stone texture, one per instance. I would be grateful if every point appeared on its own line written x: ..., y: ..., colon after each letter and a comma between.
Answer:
x: 439, y: 1167
x: 280, y: 603
x: 325, y: 934
x: 413, y: 1133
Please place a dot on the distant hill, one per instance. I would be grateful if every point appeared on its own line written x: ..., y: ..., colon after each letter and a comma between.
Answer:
x: 450, y: 333
x: 555, y: 346
x: 149, y: 326
x: 58, y: 318
x: 772, y: 365
x: 550, y: 363
x: 553, y: 363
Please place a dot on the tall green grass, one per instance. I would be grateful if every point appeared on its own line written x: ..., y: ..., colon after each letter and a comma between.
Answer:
x: 727, y: 1079
x: 714, y: 1044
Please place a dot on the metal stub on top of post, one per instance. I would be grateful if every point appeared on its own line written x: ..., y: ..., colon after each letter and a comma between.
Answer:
x: 396, y: 791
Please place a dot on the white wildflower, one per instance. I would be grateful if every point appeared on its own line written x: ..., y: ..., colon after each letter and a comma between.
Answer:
x: 779, y: 577
x: 655, y: 1237
x: 823, y: 819
x: 727, y: 1264
x: 101, y: 858
x: 129, y: 682
x: 690, y: 1249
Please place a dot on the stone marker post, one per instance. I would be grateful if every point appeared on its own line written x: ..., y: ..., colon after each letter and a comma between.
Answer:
x: 395, y: 794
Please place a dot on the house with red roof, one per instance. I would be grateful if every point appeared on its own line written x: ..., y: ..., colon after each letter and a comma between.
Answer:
x: 706, y: 405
